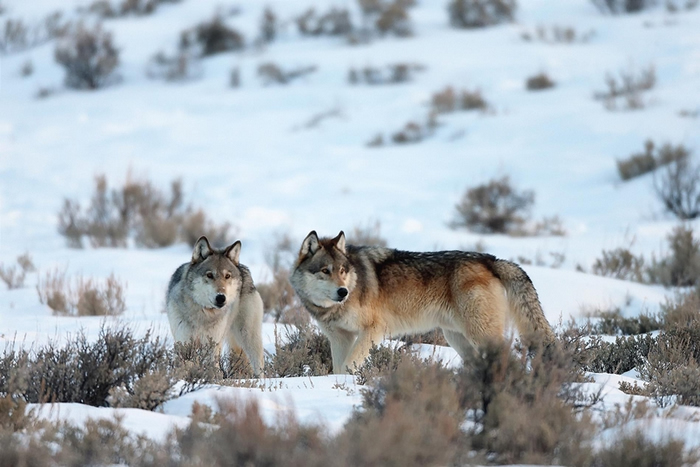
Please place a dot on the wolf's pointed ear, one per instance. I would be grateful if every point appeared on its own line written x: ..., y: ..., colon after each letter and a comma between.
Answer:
x: 233, y: 252
x: 202, y: 250
x: 339, y: 241
x: 310, y: 245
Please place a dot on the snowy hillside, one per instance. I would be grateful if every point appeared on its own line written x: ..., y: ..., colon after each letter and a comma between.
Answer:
x: 273, y: 159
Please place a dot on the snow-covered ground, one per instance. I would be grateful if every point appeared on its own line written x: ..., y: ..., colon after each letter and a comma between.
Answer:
x: 244, y: 156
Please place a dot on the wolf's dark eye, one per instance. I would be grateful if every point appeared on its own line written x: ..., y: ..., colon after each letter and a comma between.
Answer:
x: 325, y: 271
x: 210, y: 275
x: 342, y: 271
x: 228, y: 275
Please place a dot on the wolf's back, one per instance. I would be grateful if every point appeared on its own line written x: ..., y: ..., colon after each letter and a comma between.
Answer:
x: 523, y: 301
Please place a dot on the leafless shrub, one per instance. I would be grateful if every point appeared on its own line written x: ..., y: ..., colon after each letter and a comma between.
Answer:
x: 383, y: 17
x: 673, y: 367
x: 611, y: 322
x: 242, y: 438
x: 593, y: 354
x: 675, y: 6
x: 96, y: 300
x: 448, y: 100
x: 395, y: 20
x: 410, y: 415
x: 271, y: 73
x: 494, y: 207
x: 17, y: 36
x: 12, y: 276
x: 685, y: 113
x: 369, y: 235
x: 195, y: 223
x: 269, y: 25
x: 411, y: 133
x: 54, y: 292
x: 539, y: 82
x: 117, y: 370
x: 14, y: 36
x: 434, y: 337
x: 26, y: 263
x: 620, y: 263
x: 334, y: 22
x: 83, y: 371
x: 198, y: 364
x: 211, y: 37
x: 681, y: 267
x: 557, y: 35
x: 181, y: 67
x: 480, y: 13
x: 523, y: 405
x: 137, y: 210
x: 147, y: 393
x: 617, y: 7
x: 88, y: 57
x: 629, y: 88
x: 111, y: 9
x: 678, y: 188
x: 681, y: 311
x: 549, y: 226
x: 304, y: 351
x: 43, y: 92
x: 652, y: 158
x: 635, y: 449
x: 279, y: 298
x: 382, y: 359
x: 390, y: 74
x: 81, y: 297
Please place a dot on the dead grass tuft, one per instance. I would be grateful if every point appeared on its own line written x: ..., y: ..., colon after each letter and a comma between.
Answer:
x: 80, y: 296
x: 629, y: 88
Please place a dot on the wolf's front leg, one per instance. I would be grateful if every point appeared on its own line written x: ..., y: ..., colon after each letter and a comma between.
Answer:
x: 341, y: 342
x: 360, y: 350
x: 246, y: 331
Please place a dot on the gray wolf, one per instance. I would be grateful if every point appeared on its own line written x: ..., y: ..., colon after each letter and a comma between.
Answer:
x: 213, y: 297
x: 359, y: 294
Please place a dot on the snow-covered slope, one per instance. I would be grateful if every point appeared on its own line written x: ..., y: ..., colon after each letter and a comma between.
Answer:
x: 245, y: 157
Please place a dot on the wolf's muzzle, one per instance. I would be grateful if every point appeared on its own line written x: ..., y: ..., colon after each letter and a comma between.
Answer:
x: 342, y: 293
x: 220, y: 300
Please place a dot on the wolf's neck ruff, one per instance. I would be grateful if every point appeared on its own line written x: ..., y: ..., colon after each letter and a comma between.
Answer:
x: 321, y: 313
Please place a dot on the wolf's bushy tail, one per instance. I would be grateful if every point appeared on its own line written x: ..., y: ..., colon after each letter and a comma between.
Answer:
x: 523, y: 301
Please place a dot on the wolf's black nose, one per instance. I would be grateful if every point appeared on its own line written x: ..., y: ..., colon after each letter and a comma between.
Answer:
x: 220, y: 299
x: 342, y: 292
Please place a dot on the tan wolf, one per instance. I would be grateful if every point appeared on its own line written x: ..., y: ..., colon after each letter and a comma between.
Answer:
x: 359, y: 294
x: 212, y: 297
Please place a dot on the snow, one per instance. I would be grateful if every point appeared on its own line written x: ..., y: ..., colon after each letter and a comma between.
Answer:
x: 244, y: 155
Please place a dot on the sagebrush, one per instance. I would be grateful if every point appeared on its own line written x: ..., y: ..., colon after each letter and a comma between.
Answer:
x: 137, y: 211
x: 88, y: 56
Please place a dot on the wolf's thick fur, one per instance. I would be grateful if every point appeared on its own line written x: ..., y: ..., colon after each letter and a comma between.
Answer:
x: 359, y: 294
x: 212, y: 297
